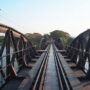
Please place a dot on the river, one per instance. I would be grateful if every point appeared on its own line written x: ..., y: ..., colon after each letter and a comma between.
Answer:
x: 3, y: 64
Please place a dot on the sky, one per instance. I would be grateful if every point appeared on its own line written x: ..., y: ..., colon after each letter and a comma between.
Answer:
x: 44, y: 16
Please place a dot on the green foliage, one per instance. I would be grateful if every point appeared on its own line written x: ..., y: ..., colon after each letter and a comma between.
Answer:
x: 69, y: 40
x: 34, y: 38
x: 58, y: 33
x: 46, y: 36
x: 1, y: 39
x: 63, y: 35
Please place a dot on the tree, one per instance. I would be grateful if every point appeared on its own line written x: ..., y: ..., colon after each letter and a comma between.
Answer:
x: 34, y: 38
x: 61, y: 34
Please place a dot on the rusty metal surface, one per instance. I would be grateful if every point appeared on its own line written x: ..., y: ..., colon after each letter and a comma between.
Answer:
x: 19, y: 50
x: 28, y: 75
x: 79, y: 74
x: 79, y: 52
x: 85, y: 34
x: 75, y: 83
x: 51, y: 78
x: 4, y: 28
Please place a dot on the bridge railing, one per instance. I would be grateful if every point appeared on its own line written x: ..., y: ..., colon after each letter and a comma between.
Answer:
x: 80, y: 55
x: 15, y: 53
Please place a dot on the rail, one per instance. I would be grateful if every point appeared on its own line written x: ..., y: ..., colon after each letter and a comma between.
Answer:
x: 63, y: 81
x: 37, y: 83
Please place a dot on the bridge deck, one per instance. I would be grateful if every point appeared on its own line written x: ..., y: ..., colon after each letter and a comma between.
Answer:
x: 51, y: 80
x: 19, y: 83
x: 75, y: 83
x: 74, y: 74
x: 28, y: 75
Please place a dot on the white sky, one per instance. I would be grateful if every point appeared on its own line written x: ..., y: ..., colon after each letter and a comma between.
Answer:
x: 44, y: 16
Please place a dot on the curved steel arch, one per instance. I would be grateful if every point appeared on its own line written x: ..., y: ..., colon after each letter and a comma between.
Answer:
x: 79, y: 51
x: 16, y: 33
x: 83, y: 36
x: 22, y: 52
x: 4, y: 28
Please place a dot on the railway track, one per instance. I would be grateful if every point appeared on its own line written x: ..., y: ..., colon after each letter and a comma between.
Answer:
x: 51, y: 75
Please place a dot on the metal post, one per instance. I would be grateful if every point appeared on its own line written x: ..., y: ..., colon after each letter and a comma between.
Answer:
x: 8, y: 55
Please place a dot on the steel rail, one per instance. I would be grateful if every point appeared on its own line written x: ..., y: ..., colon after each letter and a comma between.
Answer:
x: 37, y: 81
x: 41, y: 86
x: 62, y: 79
x: 43, y: 75
x: 64, y: 83
x: 58, y: 73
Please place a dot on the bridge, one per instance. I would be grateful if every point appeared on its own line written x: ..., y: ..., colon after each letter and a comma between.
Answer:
x: 24, y: 68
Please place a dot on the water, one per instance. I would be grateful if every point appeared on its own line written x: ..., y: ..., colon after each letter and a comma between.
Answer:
x: 86, y: 67
x: 3, y: 64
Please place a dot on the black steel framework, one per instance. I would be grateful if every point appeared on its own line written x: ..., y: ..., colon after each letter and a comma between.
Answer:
x: 79, y: 51
x: 22, y: 53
